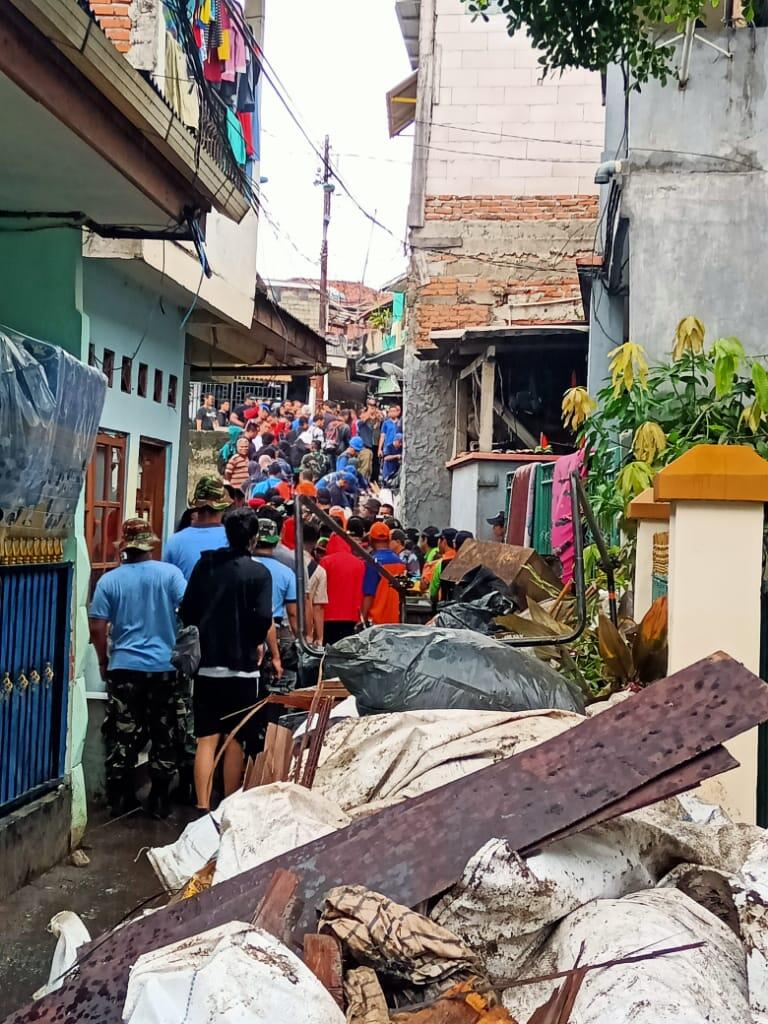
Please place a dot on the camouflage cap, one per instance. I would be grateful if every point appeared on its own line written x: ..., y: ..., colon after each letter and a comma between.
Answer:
x: 137, y: 534
x: 268, y: 532
x: 210, y: 492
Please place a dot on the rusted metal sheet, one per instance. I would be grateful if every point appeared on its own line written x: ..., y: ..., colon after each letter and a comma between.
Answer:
x: 507, y: 561
x: 416, y: 849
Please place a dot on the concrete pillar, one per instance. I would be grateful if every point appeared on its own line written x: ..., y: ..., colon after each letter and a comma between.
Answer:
x: 651, y: 517
x: 462, y: 414
x: 717, y: 495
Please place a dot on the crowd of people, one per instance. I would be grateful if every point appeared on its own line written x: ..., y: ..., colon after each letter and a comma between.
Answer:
x: 268, y: 441
x: 230, y: 571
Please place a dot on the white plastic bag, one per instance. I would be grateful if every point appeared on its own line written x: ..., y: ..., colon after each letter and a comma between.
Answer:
x: 71, y: 934
x: 234, y: 974
x: 175, y: 864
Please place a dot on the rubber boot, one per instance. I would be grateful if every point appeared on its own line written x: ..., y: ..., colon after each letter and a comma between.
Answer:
x: 159, y: 805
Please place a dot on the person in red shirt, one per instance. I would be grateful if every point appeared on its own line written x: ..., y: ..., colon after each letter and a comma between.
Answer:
x: 381, y: 601
x: 345, y: 573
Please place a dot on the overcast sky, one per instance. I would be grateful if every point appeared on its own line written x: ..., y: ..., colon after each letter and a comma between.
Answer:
x: 336, y: 60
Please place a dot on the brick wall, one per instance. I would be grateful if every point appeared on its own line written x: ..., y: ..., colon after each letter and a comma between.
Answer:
x: 116, y: 20
x: 489, y: 260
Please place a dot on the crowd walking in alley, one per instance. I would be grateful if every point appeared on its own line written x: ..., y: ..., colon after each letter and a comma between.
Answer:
x: 229, y: 571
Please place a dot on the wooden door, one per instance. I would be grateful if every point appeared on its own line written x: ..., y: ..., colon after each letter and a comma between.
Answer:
x: 150, y: 492
x: 104, y: 502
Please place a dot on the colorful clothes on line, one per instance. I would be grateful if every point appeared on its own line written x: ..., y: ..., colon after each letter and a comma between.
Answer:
x: 562, y: 519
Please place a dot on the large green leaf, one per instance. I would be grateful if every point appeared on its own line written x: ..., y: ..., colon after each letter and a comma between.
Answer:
x: 760, y: 380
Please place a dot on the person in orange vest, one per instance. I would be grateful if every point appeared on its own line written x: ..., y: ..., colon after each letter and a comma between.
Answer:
x: 381, y: 602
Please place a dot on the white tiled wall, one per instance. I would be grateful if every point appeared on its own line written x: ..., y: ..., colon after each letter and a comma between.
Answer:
x: 498, y: 127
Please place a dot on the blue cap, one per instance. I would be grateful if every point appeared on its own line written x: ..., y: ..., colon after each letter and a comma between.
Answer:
x: 349, y: 476
x: 357, y: 444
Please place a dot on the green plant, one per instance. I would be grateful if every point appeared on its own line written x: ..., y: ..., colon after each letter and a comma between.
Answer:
x: 380, y: 319
x: 593, y: 35
x: 650, y: 415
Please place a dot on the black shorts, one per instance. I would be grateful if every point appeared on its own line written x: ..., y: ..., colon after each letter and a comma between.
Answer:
x: 220, y: 702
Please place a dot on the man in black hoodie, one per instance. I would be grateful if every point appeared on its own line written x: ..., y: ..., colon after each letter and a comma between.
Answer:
x: 229, y: 599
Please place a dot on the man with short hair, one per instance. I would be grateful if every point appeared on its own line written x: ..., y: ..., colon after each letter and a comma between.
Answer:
x: 397, y: 543
x: 317, y: 588
x: 430, y: 555
x: 206, y: 533
x: 446, y: 544
x: 389, y: 428
x: 205, y: 417
x: 229, y: 599
x: 237, y: 417
x: 283, y: 594
x: 222, y: 416
x: 381, y: 600
x: 138, y: 600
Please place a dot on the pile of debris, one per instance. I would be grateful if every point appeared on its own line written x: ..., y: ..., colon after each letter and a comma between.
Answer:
x: 436, y: 866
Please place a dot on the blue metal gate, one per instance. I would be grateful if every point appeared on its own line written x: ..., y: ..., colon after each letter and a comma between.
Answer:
x: 34, y: 679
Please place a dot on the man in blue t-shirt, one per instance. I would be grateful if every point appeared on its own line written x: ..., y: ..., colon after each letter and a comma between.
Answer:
x: 389, y: 428
x: 283, y: 599
x: 209, y: 501
x: 138, y: 600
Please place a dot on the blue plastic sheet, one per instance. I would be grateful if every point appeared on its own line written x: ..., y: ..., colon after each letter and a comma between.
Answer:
x: 50, y: 408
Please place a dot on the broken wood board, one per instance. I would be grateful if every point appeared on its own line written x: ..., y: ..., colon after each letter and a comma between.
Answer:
x: 416, y: 849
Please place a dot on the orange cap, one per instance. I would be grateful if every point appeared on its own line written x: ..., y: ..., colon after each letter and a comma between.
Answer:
x: 379, y: 531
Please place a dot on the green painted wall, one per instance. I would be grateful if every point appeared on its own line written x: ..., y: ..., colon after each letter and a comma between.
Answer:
x: 41, y: 294
x: 41, y: 286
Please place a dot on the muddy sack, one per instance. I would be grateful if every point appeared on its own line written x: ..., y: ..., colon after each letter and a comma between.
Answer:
x: 412, y: 668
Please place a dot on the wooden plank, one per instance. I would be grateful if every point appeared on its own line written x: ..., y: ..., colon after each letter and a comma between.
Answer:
x: 278, y: 750
x: 274, y: 911
x: 418, y: 848
x: 322, y: 955
x: 255, y: 774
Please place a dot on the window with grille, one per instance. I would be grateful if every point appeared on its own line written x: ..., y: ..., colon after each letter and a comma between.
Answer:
x: 125, y: 374
x: 141, y: 381
x: 158, y: 389
x: 108, y: 365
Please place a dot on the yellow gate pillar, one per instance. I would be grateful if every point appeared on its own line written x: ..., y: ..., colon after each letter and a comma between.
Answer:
x: 716, y: 495
x: 651, y: 517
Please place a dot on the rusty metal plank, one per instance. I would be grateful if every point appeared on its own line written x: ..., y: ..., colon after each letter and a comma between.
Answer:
x: 416, y: 849
x: 693, y: 772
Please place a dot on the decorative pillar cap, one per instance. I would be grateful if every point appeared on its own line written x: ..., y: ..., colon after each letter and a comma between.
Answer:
x: 714, y: 472
x: 645, y: 507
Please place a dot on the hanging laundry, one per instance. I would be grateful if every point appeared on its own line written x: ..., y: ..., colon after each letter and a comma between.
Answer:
x: 562, y: 520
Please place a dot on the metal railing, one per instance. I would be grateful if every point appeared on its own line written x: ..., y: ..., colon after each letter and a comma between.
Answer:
x: 34, y: 679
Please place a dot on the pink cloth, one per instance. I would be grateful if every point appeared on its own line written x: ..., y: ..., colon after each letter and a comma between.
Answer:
x: 562, y: 521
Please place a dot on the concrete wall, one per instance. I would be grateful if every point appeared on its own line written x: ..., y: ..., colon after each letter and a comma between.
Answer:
x: 428, y: 419
x: 529, y: 136
x: 698, y: 221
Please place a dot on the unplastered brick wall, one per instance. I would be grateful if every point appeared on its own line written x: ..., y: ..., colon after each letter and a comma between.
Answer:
x: 116, y: 19
x: 491, y: 260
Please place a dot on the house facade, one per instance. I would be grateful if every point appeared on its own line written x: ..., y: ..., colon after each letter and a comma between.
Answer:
x: 503, y: 203
x: 128, y: 242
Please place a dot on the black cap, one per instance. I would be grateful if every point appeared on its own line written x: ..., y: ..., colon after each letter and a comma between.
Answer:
x: 498, y: 520
x: 449, y: 535
x: 323, y: 496
x: 430, y: 532
x: 462, y: 536
x: 412, y: 533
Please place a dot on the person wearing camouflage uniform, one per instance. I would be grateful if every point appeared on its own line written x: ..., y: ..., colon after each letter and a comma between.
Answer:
x: 137, y: 601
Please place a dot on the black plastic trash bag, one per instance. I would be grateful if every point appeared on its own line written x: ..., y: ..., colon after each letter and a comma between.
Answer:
x: 412, y: 668
x: 477, y: 615
x: 480, y: 582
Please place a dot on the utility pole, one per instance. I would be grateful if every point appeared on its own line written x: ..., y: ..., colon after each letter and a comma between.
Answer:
x: 327, y: 192
x: 317, y: 383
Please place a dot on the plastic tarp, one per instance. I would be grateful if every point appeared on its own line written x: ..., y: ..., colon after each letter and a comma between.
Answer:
x: 267, y: 821
x: 409, y: 668
x: 505, y: 907
x: 248, y: 828
x: 369, y: 763
x: 233, y: 974
x: 699, y: 986
x: 50, y: 407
